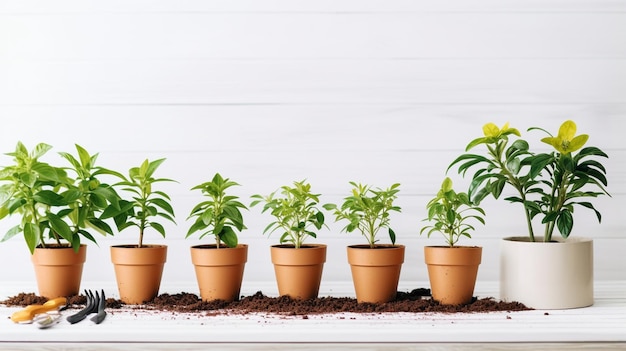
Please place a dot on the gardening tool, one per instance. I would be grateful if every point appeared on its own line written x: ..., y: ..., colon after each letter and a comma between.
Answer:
x: 90, y: 307
x: 47, y: 320
x: 95, y: 304
x: 99, y: 317
x: 28, y: 314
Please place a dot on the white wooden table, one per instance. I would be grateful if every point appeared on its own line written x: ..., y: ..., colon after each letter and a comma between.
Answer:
x: 601, y: 326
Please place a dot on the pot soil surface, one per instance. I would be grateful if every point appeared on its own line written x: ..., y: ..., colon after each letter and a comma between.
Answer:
x: 416, y: 301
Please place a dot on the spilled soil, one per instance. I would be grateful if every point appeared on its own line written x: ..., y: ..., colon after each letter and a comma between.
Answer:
x: 416, y: 301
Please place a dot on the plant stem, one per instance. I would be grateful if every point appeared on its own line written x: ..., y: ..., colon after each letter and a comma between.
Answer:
x: 217, y: 200
x: 514, y: 181
x: 142, y: 225
x: 561, y: 194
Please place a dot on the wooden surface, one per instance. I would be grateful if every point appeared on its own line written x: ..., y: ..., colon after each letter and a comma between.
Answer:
x: 601, y: 324
x: 320, y: 346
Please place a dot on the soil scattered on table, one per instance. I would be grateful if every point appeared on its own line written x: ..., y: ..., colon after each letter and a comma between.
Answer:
x: 416, y: 301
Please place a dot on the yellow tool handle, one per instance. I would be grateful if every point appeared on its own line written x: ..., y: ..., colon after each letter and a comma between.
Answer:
x: 28, y: 313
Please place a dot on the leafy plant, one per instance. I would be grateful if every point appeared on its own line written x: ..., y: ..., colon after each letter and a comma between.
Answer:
x: 367, y: 210
x: 47, y: 198
x: 295, y: 210
x: 450, y: 211
x: 547, y: 184
x: 218, y: 215
x: 146, y: 203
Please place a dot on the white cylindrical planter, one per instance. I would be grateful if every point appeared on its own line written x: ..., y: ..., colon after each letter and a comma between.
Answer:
x: 555, y: 275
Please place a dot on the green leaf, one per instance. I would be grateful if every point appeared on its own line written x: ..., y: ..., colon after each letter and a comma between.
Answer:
x: 152, y: 167
x: 40, y: 150
x: 319, y: 216
x: 31, y: 235
x: 4, y: 211
x: 71, y: 195
x: 392, y: 236
x: 164, y: 205
x: 590, y: 206
x: 197, y: 225
x: 591, y: 151
x: 101, y: 226
x: 28, y: 179
x: 47, y: 172
x: 538, y: 163
x: 159, y: 228
x: 476, y: 142
x: 75, y: 241
x: 514, y: 165
x: 11, y: 233
x: 49, y: 197
x: 88, y: 235
x: 85, y: 158
x: 60, y: 226
x: 71, y: 160
x: 229, y: 237
x: 565, y: 223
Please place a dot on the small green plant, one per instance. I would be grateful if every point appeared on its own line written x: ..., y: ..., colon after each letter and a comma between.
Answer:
x: 295, y: 210
x: 547, y: 184
x: 450, y: 212
x: 368, y: 211
x: 146, y: 202
x: 219, y: 214
x: 54, y: 206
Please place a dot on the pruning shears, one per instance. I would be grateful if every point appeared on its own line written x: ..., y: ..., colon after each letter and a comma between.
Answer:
x: 28, y: 314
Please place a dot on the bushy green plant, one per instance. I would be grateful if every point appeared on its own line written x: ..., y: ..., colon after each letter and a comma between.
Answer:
x: 146, y: 204
x: 53, y: 205
x: 295, y: 210
x: 546, y: 184
x: 367, y: 210
x: 449, y: 213
x: 220, y: 215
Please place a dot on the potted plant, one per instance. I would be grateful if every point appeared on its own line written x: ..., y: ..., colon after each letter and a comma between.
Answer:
x: 452, y: 269
x: 298, y: 266
x: 219, y: 267
x: 548, y: 185
x: 139, y: 267
x: 56, y: 211
x: 375, y: 267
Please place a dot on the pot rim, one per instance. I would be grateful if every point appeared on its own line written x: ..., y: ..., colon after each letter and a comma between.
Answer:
x: 57, y: 246
x: 454, y: 247
x: 376, y: 246
x: 303, y: 246
x: 214, y: 246
x: 134, y: 246
x: 557, y: 240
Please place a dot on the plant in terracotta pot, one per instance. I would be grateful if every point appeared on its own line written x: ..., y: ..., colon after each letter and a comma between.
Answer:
x: 375, y: 267
x: 56, y: 210
x: 452, y: 269
x: 139, y: 267
x: 548, y: 185
x: 298, y: 266
x: 219, y: 267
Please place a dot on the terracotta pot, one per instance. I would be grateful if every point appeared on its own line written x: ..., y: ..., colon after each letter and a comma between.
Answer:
x: 298, y: 271
x: 375, y: 272
x: 555, y: 275
x: 219, y: 272
x: 138, y: 271
x: 58, y: 270
x: 452, y: 272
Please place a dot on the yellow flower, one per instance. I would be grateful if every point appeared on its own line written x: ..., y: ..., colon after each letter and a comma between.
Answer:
x: 492, y: 131
x: 566, y: 141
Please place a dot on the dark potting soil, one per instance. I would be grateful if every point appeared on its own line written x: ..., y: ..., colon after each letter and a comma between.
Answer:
x: 416, y: 301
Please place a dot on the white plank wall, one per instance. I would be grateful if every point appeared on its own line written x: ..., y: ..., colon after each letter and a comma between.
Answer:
x: 269, y: 92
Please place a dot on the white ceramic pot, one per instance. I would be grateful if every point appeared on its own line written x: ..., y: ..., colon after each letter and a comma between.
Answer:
x: 556, y: 275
